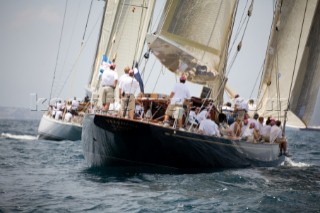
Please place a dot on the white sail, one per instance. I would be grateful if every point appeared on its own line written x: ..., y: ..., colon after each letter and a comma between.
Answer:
x: 125, y: 25
x: 305, y: 99
x: 105, y: 35
x: 193, y: 37
x: 285, y: 58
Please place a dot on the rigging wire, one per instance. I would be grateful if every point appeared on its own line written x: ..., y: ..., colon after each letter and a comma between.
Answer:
x: 113, y: 45
x: 150, y: 29
x: 262, y: 71
x: 277, y: 73
x: 68, y: 49
x: 261, y: 96
x: 94, y: 76
x: 255, y: 83
x: 223, y: 78
x: 150, y: 72
x: 85, y: 28
x: 116, y: 31
x: 160, y: 27
x: 238, y: 47
x: 139, y: 34
x: 161, y: 71
x: 55, y: 68
x: 242, y: 20
x: 144, y: 67
x: 80, y: 52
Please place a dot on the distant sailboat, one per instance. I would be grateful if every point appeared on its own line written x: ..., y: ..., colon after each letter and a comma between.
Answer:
x: 57, y: 124
x: 184, y: 42
x: 290, y: 85
x: 58, y: 130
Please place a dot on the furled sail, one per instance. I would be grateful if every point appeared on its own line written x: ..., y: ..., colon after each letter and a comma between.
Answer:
x: 193, y: 37
x: 123, y: 32
x: 285, y: 66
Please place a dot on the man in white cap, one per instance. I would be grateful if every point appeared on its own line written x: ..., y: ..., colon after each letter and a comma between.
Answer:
x: 178, y: 96
x: 109, y: 81
x: 128, y: 87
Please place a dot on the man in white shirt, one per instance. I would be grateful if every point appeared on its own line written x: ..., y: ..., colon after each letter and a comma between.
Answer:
x: 228, y: 111
x: 192, y: 118
x: 240, y: 107
x: 255, y: 121
x: 59, y: 105
x: 260, y: 124
x: 109, y: 81
x: 67, y: 117
x: 202, y: 115
x: 275, y: 132
x: 178, y: 96
x: 251, y: 107
x: 58, y: 111
x: 251, y: 134
x: 129, y: 86
x: 209, y: 127
x: 122, y: 77
x: 235, y: 128
x: 265, y: 131
x: 74, y: 106
x: 276, y: 137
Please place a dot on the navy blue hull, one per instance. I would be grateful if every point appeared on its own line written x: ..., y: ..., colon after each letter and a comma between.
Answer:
x: 112, y: 141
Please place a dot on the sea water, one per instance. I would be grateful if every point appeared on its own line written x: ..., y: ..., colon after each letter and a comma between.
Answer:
x: 50, y: 176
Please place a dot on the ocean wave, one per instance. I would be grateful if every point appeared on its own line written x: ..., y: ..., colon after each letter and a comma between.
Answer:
x: 19, y: 137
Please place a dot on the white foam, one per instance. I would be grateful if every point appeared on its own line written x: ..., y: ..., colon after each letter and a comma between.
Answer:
x: 19, y: 137
x: 290, y: 162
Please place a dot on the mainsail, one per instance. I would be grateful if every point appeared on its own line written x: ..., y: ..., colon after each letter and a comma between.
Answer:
x: 122, y: 38
x: 193, y: 37
x: 288, y: 62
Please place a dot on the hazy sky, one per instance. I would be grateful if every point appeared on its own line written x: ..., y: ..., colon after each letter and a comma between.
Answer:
x: 29, y: 44
x: 30, y: 37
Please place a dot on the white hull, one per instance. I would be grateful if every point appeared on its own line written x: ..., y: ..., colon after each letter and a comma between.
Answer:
x: 52, y: 129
